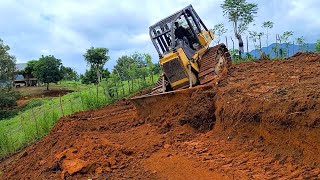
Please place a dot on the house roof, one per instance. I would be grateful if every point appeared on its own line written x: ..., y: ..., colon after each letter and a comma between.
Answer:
x: 24, y: 79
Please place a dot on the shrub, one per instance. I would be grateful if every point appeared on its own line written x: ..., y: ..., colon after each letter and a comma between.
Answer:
x: 8, y: 99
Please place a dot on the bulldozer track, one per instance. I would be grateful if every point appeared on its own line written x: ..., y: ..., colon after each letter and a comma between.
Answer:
x: 209, y: 63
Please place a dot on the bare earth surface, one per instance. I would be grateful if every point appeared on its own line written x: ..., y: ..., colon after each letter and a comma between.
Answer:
x: 261, y: 121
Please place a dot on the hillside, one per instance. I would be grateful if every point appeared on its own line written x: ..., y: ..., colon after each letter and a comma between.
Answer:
x: 261, y: 121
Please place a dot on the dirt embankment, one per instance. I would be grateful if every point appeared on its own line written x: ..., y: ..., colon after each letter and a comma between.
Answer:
x: 260, y: 122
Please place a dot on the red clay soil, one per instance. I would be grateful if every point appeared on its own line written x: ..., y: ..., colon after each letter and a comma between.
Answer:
x: 41, y: 92
x: 260, y: 122
x: 50, y: 93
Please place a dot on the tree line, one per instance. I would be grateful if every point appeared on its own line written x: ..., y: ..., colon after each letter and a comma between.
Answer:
x: 241, y: 14
x: 134, y: 68
x: 48, y: 69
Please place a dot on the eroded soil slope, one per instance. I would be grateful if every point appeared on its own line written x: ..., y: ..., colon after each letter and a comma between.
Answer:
x: 260, y: 122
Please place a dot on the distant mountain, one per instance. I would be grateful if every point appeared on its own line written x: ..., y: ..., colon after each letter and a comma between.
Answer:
x: 292, y: 49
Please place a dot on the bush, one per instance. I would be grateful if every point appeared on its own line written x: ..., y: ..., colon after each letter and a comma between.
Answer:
x: 8, y: 99
x: 8, y: 113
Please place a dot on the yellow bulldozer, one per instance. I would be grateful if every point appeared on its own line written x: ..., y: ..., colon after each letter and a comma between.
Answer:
x: 182, y: 41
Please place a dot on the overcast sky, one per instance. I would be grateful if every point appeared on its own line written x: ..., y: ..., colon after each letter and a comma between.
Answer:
x: 66, y: 28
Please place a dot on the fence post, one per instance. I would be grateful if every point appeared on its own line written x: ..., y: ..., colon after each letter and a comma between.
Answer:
x: 71, y: 108
x: 81, y: 98
x: 97, y: 94
x: 61, y: 108
x: 47, y: 126
x: 22, y: 125
x: 293, y: 48
x: 115, y: 85
x: 105, y: 94
x: 35, y: 120
x: 52, y: 106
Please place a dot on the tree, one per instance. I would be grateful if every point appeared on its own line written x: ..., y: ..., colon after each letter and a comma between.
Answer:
x: 69, y: 74
x: 90, y: 76
x: 301, y: 42
x: 241, y: 14
x: 267, y: 25
x: 259, y: 35
x: 151, y: 66
x: 141, y: 65
x: 317, y: 46
x: 275, y: 50
x: 256, y: 36
x: 97, y: 58
x: 285, y: 38
x: 28, y: 71
x: 123, y: 66
x: 157, y: 68
x: 253, y: 36
x: 219, y: 30
x: 7, y: 66
x: 48, y: 70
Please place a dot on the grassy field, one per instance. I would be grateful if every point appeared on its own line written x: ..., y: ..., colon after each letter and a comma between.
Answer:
x: 36, y: 121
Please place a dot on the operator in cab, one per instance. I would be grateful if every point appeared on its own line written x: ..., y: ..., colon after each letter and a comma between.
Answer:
x: 181, y: 32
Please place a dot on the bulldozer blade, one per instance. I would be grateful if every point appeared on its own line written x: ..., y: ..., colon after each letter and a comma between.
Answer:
x: 149, y: 106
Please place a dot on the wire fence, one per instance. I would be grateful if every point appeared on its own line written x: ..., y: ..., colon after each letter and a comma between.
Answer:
x: 36, y: 122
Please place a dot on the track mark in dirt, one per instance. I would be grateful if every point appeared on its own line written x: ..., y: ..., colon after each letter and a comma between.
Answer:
x: 175, y: 166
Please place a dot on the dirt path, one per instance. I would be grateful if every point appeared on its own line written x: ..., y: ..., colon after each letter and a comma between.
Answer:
x: 265, y: 120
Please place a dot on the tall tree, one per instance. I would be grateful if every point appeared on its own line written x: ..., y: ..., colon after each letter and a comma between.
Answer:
x: 317, y: 46
x: 259, y: 35
x: 285, y: 38
x: 241, y: 14
x: 253, y: 37
x: 256, y: 36
x: 7, y: 66
x: 48, y: 70
x: 97, y: 58
x: 301, y: 42
x: 267, y: 25
x: 219, y: 30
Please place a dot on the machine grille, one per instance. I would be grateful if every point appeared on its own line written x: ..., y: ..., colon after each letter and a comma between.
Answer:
x: 174, y: 70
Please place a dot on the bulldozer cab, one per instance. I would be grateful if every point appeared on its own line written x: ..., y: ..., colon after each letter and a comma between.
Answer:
x: 183, y: 29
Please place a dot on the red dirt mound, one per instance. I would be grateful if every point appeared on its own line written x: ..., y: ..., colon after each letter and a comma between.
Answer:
x: 266, y: 126
x: 307, y: 56
x: 188, y: 106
